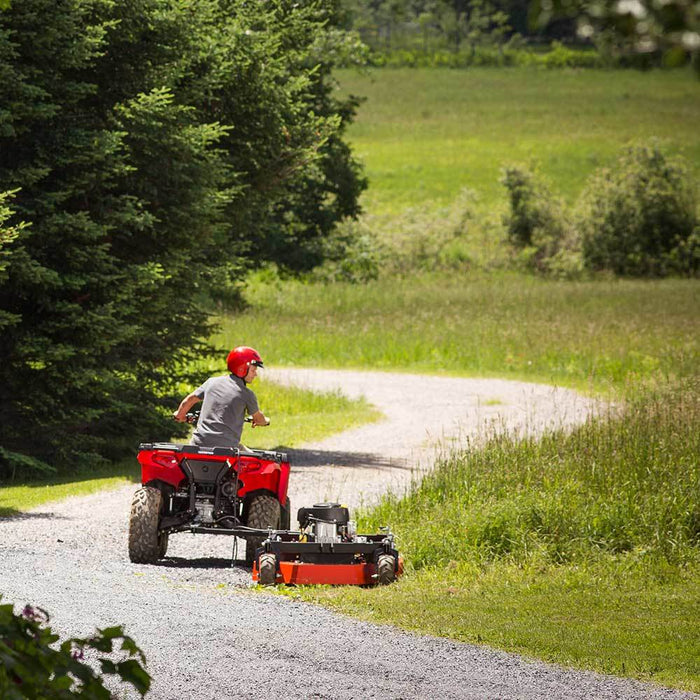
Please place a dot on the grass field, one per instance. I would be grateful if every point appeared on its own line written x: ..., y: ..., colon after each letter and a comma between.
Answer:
x: 424, y: 134
x: 591, y: 335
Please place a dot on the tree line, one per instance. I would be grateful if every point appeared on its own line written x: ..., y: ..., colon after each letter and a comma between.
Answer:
x: 460, y: 33
x: 150, y: 152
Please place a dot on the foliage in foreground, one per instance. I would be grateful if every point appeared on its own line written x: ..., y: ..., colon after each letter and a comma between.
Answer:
x: 31, y: 666
x: 154, y: 150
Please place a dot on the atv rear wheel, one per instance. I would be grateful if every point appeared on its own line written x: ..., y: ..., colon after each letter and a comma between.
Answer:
x: 263, y: 514
x: 267, y: 569
x: 145, y: 545
x: 386, y: 573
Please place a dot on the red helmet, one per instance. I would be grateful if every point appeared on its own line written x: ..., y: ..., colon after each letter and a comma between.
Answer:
x: 241, y: 358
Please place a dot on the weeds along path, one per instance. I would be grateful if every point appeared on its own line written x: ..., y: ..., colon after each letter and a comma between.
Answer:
x: 424, y: 417
x: 208, y: 635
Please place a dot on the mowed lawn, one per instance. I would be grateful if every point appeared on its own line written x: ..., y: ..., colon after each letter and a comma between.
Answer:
x: 424, y: 134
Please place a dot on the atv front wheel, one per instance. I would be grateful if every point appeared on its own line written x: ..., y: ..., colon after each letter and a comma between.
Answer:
x: 145, y: 545
x: 386, y: 572
x: 263, y: 514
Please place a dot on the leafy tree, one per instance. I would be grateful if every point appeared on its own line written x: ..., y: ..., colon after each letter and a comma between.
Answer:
x: 155, y: 149
x: 644, y: 27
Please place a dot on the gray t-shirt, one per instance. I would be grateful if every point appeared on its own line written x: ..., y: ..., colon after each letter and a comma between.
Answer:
x: 225, y: 400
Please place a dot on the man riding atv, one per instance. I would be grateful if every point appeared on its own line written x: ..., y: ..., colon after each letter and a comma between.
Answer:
x: 225, y: 402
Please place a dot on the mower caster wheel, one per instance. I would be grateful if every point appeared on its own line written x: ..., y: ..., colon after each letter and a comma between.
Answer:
x: 386, y: 569
x: 267, y: 569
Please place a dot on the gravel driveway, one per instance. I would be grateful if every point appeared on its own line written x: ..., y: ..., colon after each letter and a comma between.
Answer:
x: 208, y: 635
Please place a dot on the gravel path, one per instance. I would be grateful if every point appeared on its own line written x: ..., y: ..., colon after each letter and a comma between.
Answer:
x: 208, y: 635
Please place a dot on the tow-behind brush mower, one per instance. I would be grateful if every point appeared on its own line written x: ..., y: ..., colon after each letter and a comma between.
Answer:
x: 327, y: 549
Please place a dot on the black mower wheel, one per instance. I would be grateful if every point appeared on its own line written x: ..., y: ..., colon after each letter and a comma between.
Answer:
x: 267, y: 569
x: 263, y: 513
x: 386, y: 573
x: 145, y: 545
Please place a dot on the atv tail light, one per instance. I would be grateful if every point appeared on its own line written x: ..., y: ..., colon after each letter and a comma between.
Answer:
x: 246, y: 465
x: 165, y: 460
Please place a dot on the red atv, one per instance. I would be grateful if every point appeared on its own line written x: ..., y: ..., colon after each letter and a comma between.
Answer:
x: 213, y: 490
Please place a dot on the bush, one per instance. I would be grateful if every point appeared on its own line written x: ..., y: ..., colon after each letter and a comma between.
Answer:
x: 511, y: 53
x: 538, y: 226
x: 31, y: 668
x: 352, y: 254
x: 458, y: 237
x: 640, y: 218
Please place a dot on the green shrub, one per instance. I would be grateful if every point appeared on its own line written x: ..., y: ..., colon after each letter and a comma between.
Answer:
x: 457, y: 237
x: 511, y: 53
x: 561, y: 56
x: 537, y: 224
x: 30, y: 666
x: 352, y: 254
x: 640, y: 218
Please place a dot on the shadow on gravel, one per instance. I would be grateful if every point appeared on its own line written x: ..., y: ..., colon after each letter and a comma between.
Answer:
x: 202, y: 563
x: 12, y: 514
x: 321, y: 458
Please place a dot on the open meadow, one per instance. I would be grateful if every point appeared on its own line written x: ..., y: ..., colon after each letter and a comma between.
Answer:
x: 424, y: 134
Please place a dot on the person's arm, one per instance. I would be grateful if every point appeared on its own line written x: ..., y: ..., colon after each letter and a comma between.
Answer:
x: 185, y: 405
x: 259, y: 419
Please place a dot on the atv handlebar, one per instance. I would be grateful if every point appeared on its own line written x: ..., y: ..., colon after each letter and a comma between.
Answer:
x: 193, y: 417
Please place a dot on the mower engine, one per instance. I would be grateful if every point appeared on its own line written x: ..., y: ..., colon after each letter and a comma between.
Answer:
x: 326, y: 522
x: 327, y: 549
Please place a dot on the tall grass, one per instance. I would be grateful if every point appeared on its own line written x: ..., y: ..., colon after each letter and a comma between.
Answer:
x: 620, y: 484
x: 599, y: 334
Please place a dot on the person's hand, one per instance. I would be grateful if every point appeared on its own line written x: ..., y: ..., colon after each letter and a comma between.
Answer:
x: 177, y: 417
x: 259, y: 420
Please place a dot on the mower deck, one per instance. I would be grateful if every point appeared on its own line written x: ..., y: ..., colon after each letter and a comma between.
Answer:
x: 288, y: 557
